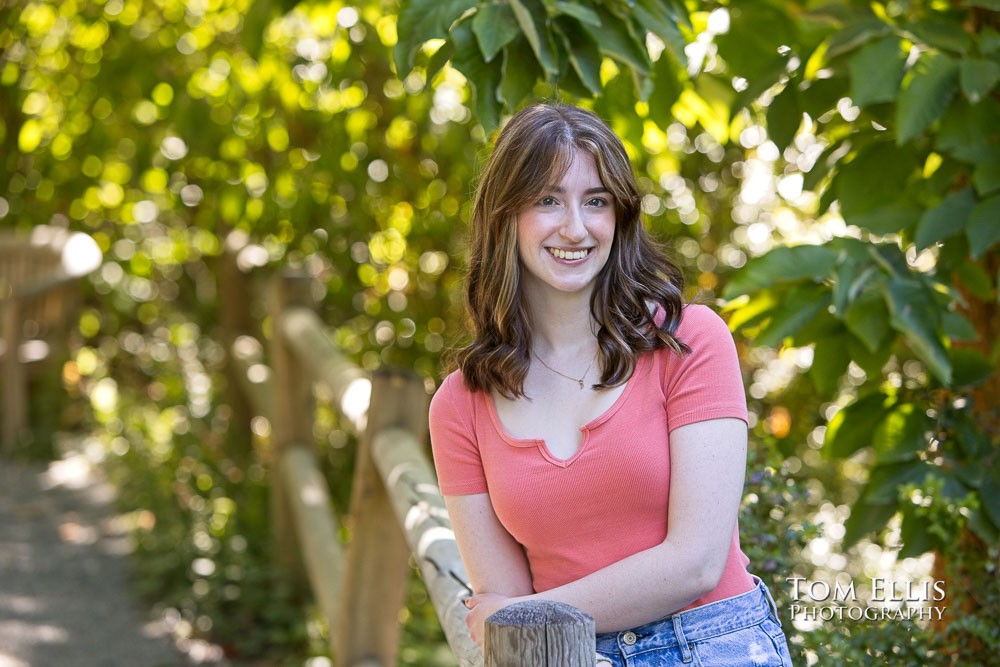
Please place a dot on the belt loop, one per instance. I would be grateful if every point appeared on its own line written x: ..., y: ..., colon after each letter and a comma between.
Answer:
x: 681, y: 641
x: 771, y: 603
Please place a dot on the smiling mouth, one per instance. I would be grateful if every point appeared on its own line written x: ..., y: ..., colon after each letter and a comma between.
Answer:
x: 569, y: 254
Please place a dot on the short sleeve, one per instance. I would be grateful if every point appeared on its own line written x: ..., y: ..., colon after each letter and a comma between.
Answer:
x: 453, y: 440
x: 706, y: 383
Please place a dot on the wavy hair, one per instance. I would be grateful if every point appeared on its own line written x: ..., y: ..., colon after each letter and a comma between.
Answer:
x: 534, y: 150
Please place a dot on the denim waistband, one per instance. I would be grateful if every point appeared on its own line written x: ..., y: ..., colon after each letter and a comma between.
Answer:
x: 708, y: 620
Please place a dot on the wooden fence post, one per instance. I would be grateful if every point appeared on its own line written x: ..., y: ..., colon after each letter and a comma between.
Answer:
x: 234, y: 320
x: 540, y: 633
x: 377, y: 566
x: 292, y: 416
x: 15, y: 405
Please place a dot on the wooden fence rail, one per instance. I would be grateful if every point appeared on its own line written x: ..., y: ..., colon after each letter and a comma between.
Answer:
x: 396, y: 512
x: 39, y: 279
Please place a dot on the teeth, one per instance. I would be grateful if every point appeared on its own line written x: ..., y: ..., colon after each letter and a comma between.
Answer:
x: 562, y: 254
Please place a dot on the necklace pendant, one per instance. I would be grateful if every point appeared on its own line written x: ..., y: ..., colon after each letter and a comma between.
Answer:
x: 581, y: 383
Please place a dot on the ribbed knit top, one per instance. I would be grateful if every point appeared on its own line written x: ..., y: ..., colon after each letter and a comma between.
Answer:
x: 609, y: 500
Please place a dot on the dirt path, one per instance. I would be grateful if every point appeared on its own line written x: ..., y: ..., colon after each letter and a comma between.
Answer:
x: 64, y: 593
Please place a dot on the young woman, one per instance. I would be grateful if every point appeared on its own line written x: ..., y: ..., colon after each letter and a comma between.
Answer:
x: 591, y: 445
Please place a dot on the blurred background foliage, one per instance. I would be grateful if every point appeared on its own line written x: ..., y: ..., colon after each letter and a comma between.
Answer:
x: 829, y: 168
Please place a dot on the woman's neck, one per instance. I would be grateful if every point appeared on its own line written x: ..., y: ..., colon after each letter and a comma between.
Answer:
x: 561, y: 323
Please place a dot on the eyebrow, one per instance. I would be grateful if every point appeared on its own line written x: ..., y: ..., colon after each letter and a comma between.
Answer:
x: 589, y: 191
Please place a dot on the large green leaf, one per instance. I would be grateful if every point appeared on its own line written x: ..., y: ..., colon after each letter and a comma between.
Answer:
x: 584, y: 54
x: 989, y: 495
x: 617, y: 41
x: 495, y: 26
x: 983, y: 229
x: 975, y: 278
x: 877, y: 71
x: 866, y: 518
x: 485, y: 77
x: 868, y: 318
x: 941, y: 34
x: 830, y: 362
x: 886, y: 478
x: 915, y: 534
x: 971, y: 133
x: 902, y: 434
x: 927, y: 94
x: 802, y: 304
x: 912, y: 313
x: 986, y: 178
x: 666, y: 89
x: 520, y: 72
x: 877, y: 173
x: 978, y: 77
x: 971, y: 367
x: 947, y: 218
x: 854, y: 34
x: 852, y: 427
x: 654, y: 16
x: 784, y: 115
x: 534, y: 24
x: 870, y: 362
x: 581, y: 13
x: 974, y: 442
x: 421, y: 20
x: 781, y: 264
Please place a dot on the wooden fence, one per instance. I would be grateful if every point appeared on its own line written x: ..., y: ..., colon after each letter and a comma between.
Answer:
x: 396, y: 510
x: 39, y: 289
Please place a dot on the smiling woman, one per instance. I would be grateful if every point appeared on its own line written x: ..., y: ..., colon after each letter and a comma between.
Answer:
x: 593, y: 409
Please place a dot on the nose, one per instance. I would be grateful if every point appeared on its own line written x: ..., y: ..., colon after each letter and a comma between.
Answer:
x: 573, y: 229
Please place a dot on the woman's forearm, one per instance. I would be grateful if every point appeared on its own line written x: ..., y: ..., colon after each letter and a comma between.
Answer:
x: 636, y: 590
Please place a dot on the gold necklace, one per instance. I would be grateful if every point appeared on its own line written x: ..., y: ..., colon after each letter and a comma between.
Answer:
x: 578, y: 381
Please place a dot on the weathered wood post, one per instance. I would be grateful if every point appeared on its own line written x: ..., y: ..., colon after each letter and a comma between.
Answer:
x: 377, y: 559
x: 15, y: 401
x: 540, y: 633
x: 234, y: 321
x: 292, y: 414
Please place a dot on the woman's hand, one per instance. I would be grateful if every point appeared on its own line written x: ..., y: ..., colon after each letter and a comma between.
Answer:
x: 481, y: 606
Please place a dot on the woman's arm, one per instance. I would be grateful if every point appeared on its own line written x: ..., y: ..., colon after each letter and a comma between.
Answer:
x: 494, y: 561
x: 707, y: 467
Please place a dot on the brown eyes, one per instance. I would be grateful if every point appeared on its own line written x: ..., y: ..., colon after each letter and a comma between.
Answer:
x: 597, y: 202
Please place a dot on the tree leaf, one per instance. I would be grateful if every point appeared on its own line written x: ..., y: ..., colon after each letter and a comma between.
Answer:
x: 584, y: 54
x: 891, y: 218
x: 983, y: 229
x: 868, y: 318
x: 978, y: 77
x: 666, y: 89
x: 957, y: 327
x: 876, y: 71
x: 972, y: 367
x: 986, y: 178
x: 485, y: 77
x: 531, y: 17
x: 866, y: 518
x: 617, y: 42
x: 870, y: 362
x: 854, y: 34
x: 928, y: 93
x: 989, y: 495
x: 830, y: 362
x: 974, y: 442
x: 878, y: 168
x: 852, y: 427
x: 421, y: 20
x: 803, y: 303
x: 975, y: 278
x: 942, y: 34
x: 947, y: 218
x: 971, y: 132
x: 784, y: 116
x: 781, y: 264
x: 911, y: 312
x: 902, y: 434
x: 581, y: 13
x: 495, y: 27
x: 520, y: 72
x: 914, y: 534
x: 651, y: 15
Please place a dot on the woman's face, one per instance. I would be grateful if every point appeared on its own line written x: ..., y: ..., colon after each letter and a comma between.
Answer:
x: 564, y: 239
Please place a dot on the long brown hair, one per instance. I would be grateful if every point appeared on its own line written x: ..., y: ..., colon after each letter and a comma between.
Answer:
x: 532, y: 151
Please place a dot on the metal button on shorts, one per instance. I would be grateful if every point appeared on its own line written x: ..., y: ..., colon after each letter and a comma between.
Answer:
x: 629, y: 638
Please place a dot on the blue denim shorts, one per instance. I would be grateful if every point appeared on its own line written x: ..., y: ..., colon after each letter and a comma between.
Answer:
x: 740, y: 631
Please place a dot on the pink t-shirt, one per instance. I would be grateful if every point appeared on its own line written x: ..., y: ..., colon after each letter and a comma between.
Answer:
x: 609, y: 499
